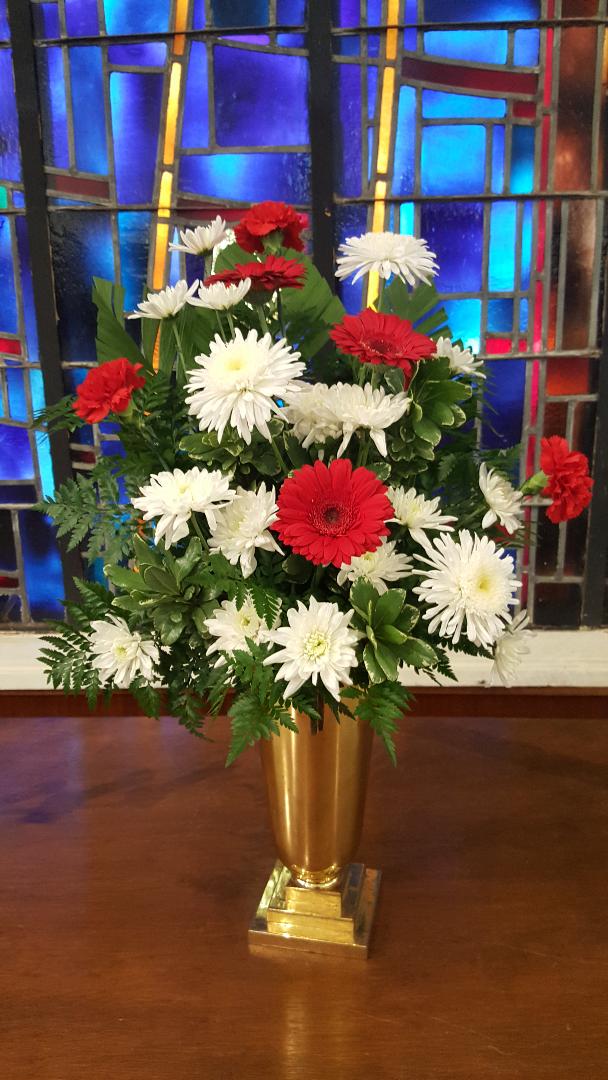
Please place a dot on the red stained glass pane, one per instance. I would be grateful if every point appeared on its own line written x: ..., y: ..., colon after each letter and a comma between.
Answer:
x: 568, y: 375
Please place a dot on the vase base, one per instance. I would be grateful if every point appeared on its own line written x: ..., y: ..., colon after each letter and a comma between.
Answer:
x: 331, y: 921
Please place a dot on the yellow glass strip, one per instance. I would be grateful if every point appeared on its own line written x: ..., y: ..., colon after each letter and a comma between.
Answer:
x: 386, y: 117
x: 171, y: 115
x: 160, y: 255
x: 180, y: 23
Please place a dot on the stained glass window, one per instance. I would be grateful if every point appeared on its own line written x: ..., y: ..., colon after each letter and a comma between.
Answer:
x: 474, y: 123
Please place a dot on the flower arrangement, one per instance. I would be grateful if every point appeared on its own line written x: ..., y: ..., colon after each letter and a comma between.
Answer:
x: 298, y: 513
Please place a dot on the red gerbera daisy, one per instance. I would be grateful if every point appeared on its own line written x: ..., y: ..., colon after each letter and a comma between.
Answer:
x: 107, y: 388
x: 261, y: 221
x: 382, y: 339
x: 274, y: 272
x: 569, y: 483
x: 331, y: 513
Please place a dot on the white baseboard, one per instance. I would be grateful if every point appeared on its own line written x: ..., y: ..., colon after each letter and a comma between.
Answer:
x: 559, y: 658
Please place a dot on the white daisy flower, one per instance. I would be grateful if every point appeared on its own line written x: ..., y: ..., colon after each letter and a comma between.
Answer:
x: 220, y: 297
x: 504, y: 501
x: 418, y: 514
x: 363, y: 408
x: 469, y: 586
x: 243, y: 526
x: 377, y: 567
x: 317, y: 644
x: 120, y: 654
x: 231, y: 626
x: 174, y: 496
x: 202, y: 239
x: 509, y: 649
x: 166, y: 303
x: 462, y: 361
x: 238, y: 382
x: 308, y: 410
x: 386, y: 253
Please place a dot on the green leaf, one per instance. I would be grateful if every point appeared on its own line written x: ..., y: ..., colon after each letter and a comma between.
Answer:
x: 389, y: 606
x: 387, y: 660
x: 372, y: 666
x: 112, y: 339
x: 417, y: 653
x: 363, y: 596
x: 427, y: 430
x: 189, y: 560
x: 124, y: 579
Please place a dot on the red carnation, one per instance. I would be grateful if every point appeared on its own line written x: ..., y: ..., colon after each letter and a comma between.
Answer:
x: 382, y: 339
x: 274, y: 273
x: 270, y: 217
x: 107, y: 389
x: 569, y: 484
x: 329, y: 514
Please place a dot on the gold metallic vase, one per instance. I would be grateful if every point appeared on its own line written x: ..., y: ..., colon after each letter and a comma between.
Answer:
x: 316, y: 898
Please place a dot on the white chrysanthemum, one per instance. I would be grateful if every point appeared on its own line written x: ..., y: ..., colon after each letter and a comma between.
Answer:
x: 231, y: 626
x: 462, y: 361
x: 220, y: 297
x: 386, y: 253
x: 317, y: 644
x: 469, y: 586
x: 509, y: 649
x: 243, y: 526
x: 120, y: 654
x: 172, y: 497
x: 418, y: 514
x: 502, y: 498
x: 307, y: 409
x: 166, y: 303
x: 377, y: 567
x: 238, y: 381
x: 202, y: 239
x: 363, y: 408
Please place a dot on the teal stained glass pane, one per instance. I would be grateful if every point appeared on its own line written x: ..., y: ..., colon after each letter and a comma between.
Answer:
x: 247, y: 177
x: 53, y: 107
x: 8, y: 307
x: 522, y: 159
x: 503, y: 226
x: 485, y: 46
x: 454, y: 231
x: 437, y: 103
x: 453, y: 159
x: 498, y: 158
x: 347, y: 135
x: 406, y: 219
x: 525, y: 52
x: 135, y: 17
x: 405, y: 143
x: 17, y: 404
x: 464, y: 320
x: 81, y: 18
x: 195, y: 124
x: 526, y: 245
x: 239, y: 12
x: 260, y: 98
x: 480, y: 10
x: 134, y: 241
x: 88, y: 110
x: 45, y: 464
x: 10, y: 164
x: 136, y: 104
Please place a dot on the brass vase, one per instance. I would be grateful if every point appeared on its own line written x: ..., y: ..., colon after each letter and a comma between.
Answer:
x: 317, y: 898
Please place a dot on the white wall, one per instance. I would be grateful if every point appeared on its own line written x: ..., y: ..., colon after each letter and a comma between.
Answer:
x: 556, y: 658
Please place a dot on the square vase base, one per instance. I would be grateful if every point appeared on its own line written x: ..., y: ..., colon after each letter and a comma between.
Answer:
x: 337, y: 921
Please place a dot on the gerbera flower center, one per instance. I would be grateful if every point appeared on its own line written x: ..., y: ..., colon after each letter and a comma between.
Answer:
x: 381, y: 345
x: 332, y: 519
x: 316, y: 645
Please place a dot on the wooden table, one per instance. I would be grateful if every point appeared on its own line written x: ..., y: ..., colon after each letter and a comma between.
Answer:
x: 131, y: 863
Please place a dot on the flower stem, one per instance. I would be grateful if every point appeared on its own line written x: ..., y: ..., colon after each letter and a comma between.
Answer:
x: 198, y: 530
x: 181, y: 363
x: 363, y: 452
x: 230, y: 322
x: 263, y: 321
x: 280, y: 313
x: 221, y: 325
x: 318, y: 574
x: 279, y: 457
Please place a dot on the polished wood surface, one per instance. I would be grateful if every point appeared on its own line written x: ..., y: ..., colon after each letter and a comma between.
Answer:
x: 131, y: 863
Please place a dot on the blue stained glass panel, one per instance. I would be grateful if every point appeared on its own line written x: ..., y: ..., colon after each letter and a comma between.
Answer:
x: 239, y: 12
x: 526, y: 245
x: 15, y: 454
x: 347, y: 132
x: 345, y: 12
x: 523, y: 315
x: 349, y: 45
x: 525, y: 52
x: 46, y: 20
x: 18, y: 199
x: 372, y: 90
x: 486, y: 46
x: 374, y: 12
x: 195, y: 124
x: 522, y: 159
x: 139, y: 54
x: 260, y: 98
x: 27, y: 289
x: 405, y: 143
x: 135, y: 17
x: 454, y: 231
x: 247, y: 177
x: 292, y: 12
x: 81, y: 245
x: 136, y: 103
x: 8, y: 307
x: 464, y: 320
x: 88, y: 110
x: 453, y: 159
x: 54, y: 108
x: 500, y: 316
x: 291, y: 41
x: 351, y: 221
x: 482, y: 10
x: 42, y: 566
x: 198, y: 14
x: 498, y: 158
x: 133, y: 241
x: 4, y: 30
x: 10, y: 165
x: 505, y: 396
x: 373, y: 44
x: 438, y: 103
x: 503, y: 226
x: 81, y: 17
x: 411, y: 17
